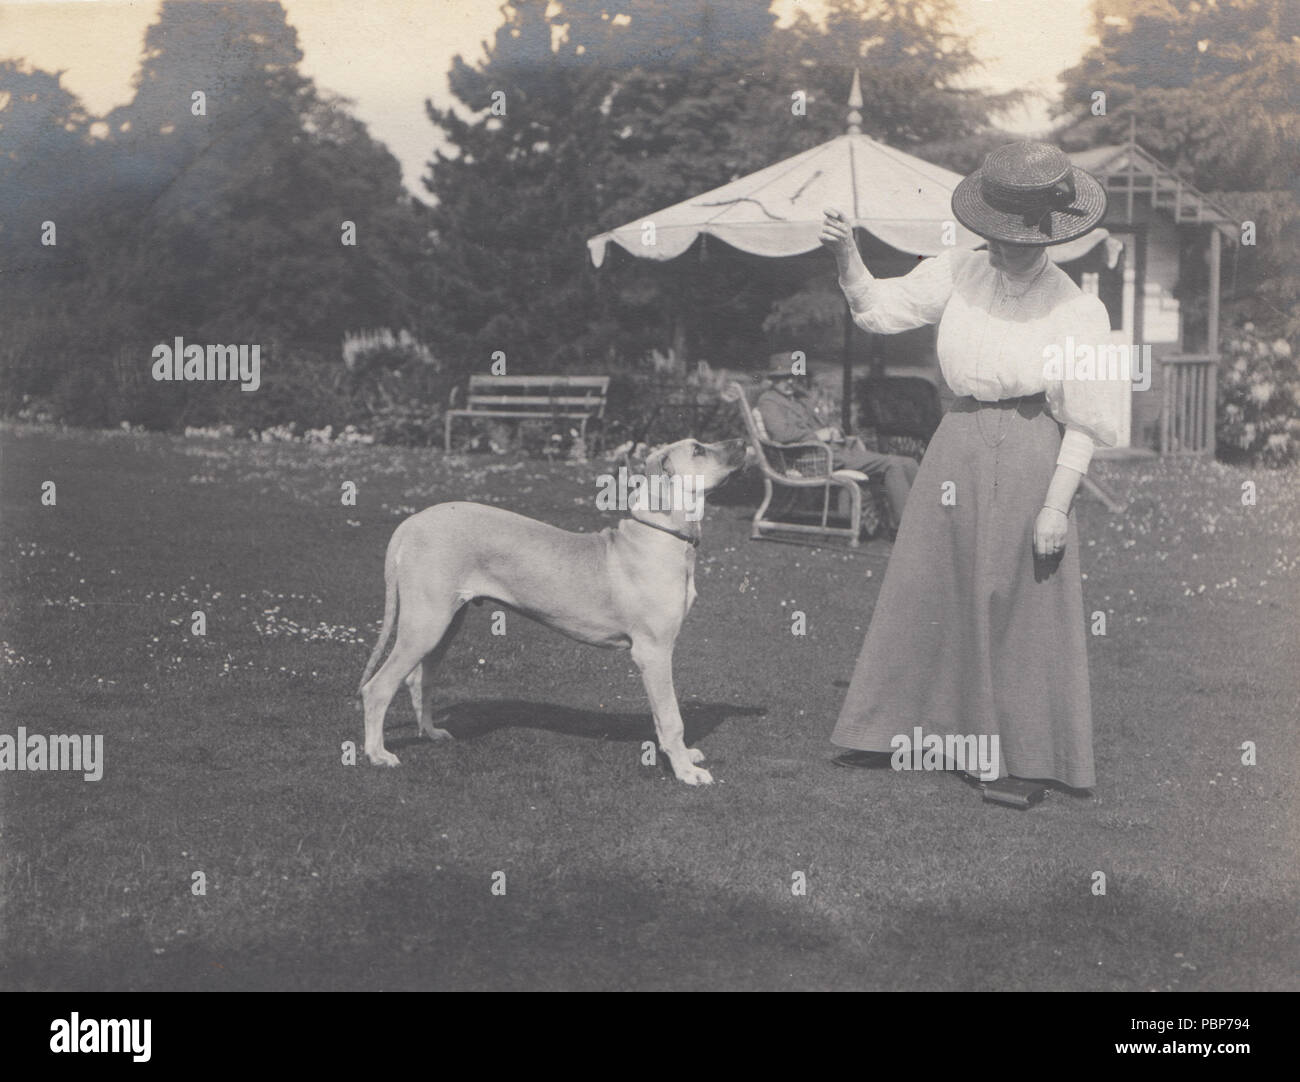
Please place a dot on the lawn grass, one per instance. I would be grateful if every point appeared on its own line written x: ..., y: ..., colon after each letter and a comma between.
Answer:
x: 223, y: 752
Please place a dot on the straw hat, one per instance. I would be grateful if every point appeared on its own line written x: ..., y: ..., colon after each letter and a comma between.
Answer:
x: 1029, y: 193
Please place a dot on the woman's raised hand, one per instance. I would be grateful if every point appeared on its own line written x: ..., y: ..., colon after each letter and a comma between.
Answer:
x: 837, y: 236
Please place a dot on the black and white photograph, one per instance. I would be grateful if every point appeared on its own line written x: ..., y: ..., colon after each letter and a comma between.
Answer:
x: 650, y: 495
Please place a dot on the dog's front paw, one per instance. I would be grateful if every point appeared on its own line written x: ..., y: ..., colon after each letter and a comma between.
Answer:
x: 695, y: 755
x: 383, y: 757
x: 434, y: 733
x: 695, y: 775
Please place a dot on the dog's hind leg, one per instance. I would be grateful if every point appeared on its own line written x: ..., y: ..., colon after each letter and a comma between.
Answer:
x: 420, y: 682
x: 656, y: 665
x: 420, y: 629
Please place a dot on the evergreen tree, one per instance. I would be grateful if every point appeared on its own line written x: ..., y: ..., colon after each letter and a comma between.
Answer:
x: 239, y: 199
x: 214, y: 209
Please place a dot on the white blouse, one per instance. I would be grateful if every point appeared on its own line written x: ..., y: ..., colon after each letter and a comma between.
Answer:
x: 997, y: 334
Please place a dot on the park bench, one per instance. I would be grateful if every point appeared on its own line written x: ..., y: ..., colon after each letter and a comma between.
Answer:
x: 574, y: 398
x: 801, y: 467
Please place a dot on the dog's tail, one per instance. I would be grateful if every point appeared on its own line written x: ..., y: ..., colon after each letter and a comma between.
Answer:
x: 390, y: 608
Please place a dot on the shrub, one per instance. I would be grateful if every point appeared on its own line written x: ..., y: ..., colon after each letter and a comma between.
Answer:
x: 398, y: 389
x: 650, y: 404
x: 1259, y: 400
x: 407, y: 424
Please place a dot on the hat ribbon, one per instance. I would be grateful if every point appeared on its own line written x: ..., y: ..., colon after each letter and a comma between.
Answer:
x: 1059, y: 199
x: 1043, y: 202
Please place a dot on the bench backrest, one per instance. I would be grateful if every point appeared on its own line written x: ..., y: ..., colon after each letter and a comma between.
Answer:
x: 543, y: 393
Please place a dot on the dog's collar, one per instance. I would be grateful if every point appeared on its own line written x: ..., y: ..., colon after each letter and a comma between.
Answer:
x: 694, y: 541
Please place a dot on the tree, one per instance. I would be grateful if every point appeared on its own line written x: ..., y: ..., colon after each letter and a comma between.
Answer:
x: 45, y: 154
x: 213, y: 209
x: 1211, y: 89
x: 239, y: 198
x: 613, y: 109
x: 44, y: 146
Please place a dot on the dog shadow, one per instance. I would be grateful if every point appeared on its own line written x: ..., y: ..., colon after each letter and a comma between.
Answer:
x: 467, y: 720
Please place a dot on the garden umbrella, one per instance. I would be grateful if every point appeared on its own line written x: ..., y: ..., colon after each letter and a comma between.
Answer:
x: 899, y: 198
x: 777, y: 211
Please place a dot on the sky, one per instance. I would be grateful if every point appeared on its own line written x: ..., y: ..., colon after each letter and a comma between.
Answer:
x: 388, y: 56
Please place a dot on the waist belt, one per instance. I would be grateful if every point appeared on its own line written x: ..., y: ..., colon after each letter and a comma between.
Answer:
x: 968, y: 402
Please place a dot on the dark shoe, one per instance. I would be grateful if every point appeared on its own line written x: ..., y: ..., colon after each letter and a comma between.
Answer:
x: 1014, y: 792
x: 861, y: 759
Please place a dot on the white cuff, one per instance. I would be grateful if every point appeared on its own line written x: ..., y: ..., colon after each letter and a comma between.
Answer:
x: 857, y: 287
x: 1076, y: 450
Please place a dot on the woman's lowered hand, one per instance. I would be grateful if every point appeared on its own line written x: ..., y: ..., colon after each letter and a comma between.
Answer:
x: 1049, y: 533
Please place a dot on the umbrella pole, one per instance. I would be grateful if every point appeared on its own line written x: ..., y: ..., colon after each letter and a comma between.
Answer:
x: 846, y: 394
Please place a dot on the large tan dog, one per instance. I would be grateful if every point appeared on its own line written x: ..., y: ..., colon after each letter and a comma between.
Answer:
x: 629, y: 587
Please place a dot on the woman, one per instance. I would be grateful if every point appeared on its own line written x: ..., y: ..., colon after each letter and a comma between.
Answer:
x: 979, y: 627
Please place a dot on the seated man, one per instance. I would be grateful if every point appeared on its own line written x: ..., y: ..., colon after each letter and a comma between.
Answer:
x: 788, y: 419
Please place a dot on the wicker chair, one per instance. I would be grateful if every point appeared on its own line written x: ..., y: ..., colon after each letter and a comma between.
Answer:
x: 904, y: 411
x: 801, y: 467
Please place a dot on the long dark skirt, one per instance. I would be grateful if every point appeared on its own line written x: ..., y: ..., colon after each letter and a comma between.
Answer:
x: 971, y: 634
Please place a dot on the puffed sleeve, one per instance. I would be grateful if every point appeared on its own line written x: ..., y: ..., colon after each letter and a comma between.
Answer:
x: 1086, y: 399
x: 890, y: 305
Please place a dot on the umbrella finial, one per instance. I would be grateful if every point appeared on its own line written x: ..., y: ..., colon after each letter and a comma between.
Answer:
x: 855, y: 103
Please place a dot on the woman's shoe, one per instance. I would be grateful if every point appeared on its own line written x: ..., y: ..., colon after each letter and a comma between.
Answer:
x: 861, y: 759
x: 1014, y: 792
